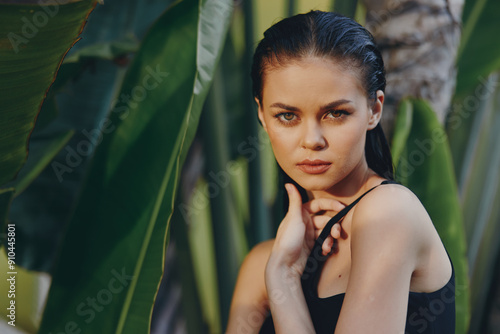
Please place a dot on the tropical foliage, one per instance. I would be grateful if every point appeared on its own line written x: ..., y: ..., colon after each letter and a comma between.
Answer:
x: 133, y: 123
x: 127, y: 241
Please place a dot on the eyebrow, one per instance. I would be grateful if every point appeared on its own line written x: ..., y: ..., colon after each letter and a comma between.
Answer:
x: 330, y: 105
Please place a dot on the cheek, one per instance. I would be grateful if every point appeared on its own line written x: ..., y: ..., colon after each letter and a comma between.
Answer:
x: 347, y: 143
x: 280, y: 143
x: 354, y: 143
x: 284, y: 146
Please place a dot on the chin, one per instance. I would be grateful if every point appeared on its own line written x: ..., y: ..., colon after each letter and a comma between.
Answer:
x: 315, y: 183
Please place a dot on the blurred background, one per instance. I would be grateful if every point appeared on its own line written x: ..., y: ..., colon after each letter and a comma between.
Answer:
x: 148, y: 169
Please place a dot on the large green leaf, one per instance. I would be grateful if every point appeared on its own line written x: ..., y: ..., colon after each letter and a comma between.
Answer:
x: 479, y: 183
x: 479, y: 51
x: 110, y: 50
x: 35, y: 163
x: 78, y: 100
x: 229, y: 237
x: 194, y: 241
x: 425, y: 167
x: 39, y: 159
x: 33, y: 41
x: 403, y: 125
x: 111, y: 258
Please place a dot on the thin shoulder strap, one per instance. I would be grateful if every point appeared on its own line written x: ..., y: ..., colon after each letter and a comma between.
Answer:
x: 328, y: 227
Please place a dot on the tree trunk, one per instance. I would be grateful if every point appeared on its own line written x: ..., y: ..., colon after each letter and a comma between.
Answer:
x: 419, y: 41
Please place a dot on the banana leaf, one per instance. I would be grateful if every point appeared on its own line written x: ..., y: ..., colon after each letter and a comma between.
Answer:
x: 480, y: 195
x: 39, y: 159
x: 111, y: 258
x: 35, y: 38
x: 35, y: 163
x: 80, y: 97
x: 479, y: 52
x: 425, y: 166
x: 196, y: 237
x: 229, y: 237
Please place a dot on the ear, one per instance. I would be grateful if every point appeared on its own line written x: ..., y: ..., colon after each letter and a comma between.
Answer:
x: 261, y: 114
x: 376, y: 110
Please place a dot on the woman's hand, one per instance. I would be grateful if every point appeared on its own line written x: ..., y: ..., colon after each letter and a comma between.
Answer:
x: 300, y: 228
x: 322, y: 210
x: 292, y: 246
x: 295, y: 236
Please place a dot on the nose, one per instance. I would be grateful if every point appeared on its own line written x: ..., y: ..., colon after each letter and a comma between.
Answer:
x: 313, y: 138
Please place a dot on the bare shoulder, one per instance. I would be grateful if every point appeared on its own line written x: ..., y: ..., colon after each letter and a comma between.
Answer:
x: 390, y: 218
x: 385, y: 247
x: 392, y: 206
x: 250, y: 296
x: 393, y: 214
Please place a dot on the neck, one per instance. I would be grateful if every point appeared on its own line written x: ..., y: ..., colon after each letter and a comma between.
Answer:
x: 352, y: 186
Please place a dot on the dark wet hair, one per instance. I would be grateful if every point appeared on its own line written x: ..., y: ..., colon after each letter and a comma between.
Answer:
x: 333, y: 35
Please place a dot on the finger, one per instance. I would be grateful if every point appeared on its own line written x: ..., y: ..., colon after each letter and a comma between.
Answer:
x: 323, y: 204
x: 335, y: 232
x: 294, y: 200
x: 327, y: 245
x: 320, y: 221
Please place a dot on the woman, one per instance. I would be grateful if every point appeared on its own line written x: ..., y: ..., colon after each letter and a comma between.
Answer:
x: 379, y: 265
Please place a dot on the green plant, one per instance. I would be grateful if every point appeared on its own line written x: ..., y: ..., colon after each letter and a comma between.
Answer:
x: 174, y: 67
x: 114, y: 246
x: 423, y: 163
x: 35, y: 38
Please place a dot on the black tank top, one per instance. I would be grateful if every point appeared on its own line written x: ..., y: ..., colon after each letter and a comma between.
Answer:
x: 427, y: 313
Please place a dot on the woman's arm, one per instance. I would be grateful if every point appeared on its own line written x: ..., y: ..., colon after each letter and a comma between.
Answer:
x: 286, y: 299
x: 289, y: 254
x: 384, y: 248
x: 250, y: 299
x: 249, y: 305
x: 384, y: 251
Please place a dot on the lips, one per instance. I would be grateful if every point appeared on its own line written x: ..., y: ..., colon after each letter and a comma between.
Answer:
x: 314, y: 167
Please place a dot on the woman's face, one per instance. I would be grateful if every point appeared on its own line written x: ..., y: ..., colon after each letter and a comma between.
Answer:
x: 316, y: 114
